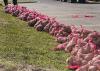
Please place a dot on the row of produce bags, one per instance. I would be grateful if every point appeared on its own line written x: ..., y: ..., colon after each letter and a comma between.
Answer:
x: 82, y: 44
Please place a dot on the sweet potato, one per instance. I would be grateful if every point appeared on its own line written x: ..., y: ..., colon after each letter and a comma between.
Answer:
x: 83, y: 68
x: 60, y: 47
x: 47, y: 27
x: 39, y: 27
x: 16, y: 13
x: 31, y: 23
x: 61, y: 39
x: 39, y: 22
x: 92, y: 68
x: 73, y: 60
x: 71, y: 44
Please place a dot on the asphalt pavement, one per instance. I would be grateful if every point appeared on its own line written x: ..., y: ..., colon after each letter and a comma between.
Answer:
x: 87, y: 15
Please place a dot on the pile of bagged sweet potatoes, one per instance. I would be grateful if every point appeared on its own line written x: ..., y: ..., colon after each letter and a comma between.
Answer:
x: 82, y: 44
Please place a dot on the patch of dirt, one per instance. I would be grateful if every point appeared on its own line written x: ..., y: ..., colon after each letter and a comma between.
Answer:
x: 23, y: 68
x: 29, y: 68
x: 2, y: 67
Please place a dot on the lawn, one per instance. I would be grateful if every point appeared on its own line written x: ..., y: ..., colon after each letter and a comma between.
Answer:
x: 20, y: 44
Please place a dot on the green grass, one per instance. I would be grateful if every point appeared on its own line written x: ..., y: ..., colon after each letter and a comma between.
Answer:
x: 22, y: 44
